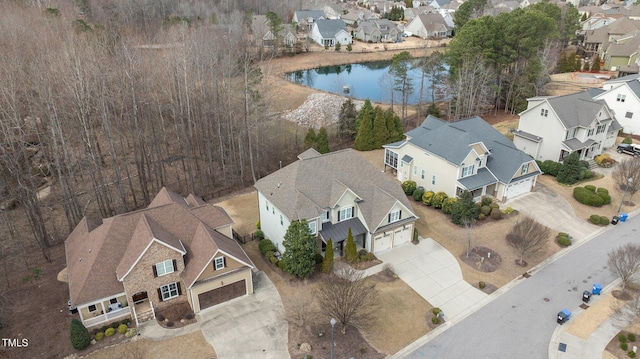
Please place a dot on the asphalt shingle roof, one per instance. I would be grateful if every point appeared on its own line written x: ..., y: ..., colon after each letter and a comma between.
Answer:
x: 328, y: 28
x: 576, y: 110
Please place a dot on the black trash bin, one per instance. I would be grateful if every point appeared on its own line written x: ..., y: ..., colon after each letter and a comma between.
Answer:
x: 615, y: 220
x: 586, y: 296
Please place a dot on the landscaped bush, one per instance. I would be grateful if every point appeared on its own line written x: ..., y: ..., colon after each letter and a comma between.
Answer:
x: 125, y: 321
x: 496, y: 213
x: 418, y: 193
x: 507, y: 211
x: 319, y: 258
x: 259, y: 234
x: 624, y: 346
x: 160, y: 317
x: 549, y: 167
x: 631, y: 354
x: 131, y: 332
x: 563, y: 239
x: 594, y: 218
x: 438, y: 199
x: 99, y: 336
x: 486, y: 201
x: 481, y: 284
x: 622, y: 338
x: 415, y: 235
x: 273, y: 259
x: 408, y: 187
x: 122, y: 328
x: 604, y: 221
x: 80, y: 337
x: 435, y: 320
x: 631, y: 337
x: 265, y: 246
x: 436, y: 311
x: 604, y: 160
x: 481, y: 217
x: 115, y: 325
x: 627, y: 140
x: 366, y: 256
x: 270, y: 254
x: 604, y: 194
x: 485, y: 210
x: 109, y: 332
x: 587, y: 197
x: 447, y: 205
x: 280, y: 265
x: 585, y: 173
x: 494, y: 205
x: 591, y: 188
x: 170, y: 324
x: 427, y: 198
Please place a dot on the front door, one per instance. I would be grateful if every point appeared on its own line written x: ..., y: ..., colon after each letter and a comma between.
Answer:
x: 139, y: 297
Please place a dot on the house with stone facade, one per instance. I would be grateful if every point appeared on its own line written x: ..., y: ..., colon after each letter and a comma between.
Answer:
x: 133, y: 264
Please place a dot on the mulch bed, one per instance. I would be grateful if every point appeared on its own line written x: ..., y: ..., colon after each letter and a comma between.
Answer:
x: 176, y: 316
x: 348, y: 345
x: 482, y: 258
x: 488, y: 287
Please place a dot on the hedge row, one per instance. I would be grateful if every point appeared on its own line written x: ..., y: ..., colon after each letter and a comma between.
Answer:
x: 591, y: 196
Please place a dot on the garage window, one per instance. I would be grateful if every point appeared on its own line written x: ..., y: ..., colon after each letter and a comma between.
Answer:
x: 169, y: 291
x: 219, y: 263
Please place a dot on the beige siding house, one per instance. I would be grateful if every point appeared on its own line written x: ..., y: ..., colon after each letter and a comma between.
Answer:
x: 467, y: 154
x: 336, y: 192
x: 175, y: 250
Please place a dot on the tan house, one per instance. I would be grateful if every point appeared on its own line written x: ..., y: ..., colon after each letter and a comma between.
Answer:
x: 175, y: 250
x: 466, y: 154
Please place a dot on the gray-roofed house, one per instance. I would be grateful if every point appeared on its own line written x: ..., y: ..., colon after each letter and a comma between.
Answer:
x: 355, y: 16
x: 428, y: 26
x: 306, y: 18
x: 334, y: 192
x: 467, y: 154
x: 375, y: 31
x: 622, y: 95
x: 623, y: 51
x: 262, y: 35
x: 329, y: 32
x: 553, y: 127
x: 175, y: 250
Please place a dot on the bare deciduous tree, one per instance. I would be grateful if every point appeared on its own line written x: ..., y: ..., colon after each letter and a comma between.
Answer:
x: 629, y: 168
x: 624, y: 262
x: 348, y: 297
x: 528, y: 238
x: 300, y: 308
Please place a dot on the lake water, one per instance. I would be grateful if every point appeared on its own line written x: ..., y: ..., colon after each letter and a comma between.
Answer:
x: 369, y: 80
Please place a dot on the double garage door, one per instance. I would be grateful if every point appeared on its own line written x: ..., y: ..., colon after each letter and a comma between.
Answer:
x: 515, y: 189
x: 392, y: 238
x: 222, y: 294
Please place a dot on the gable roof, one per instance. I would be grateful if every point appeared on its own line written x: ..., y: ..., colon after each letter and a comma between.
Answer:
x: 576, y: 110
x: 634, y: 77
x: 305, y: 14
x: 328, y: 28
x: 451, y: 141
x: 305, y: 188
x: 383, y: 25
x: 98, y: 257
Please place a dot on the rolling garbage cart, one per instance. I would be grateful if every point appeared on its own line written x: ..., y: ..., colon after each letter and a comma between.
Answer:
x: 586, y: 296
x: 597, y: 288
x: 563, y: 316
x: 623, y: 217
x: 615, y: 220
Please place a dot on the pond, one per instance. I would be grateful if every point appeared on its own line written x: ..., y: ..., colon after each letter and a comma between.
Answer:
x: 370, y: 80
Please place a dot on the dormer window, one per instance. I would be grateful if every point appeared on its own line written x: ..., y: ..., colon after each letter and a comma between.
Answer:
x: 345, y: 213
x: 600, y: 129
x: 571, y: 133
x: 325, y: 216
x: 467, y: 171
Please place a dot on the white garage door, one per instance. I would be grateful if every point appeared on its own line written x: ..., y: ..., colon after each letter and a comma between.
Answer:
x: 402, y: 235
x: 518, y: 188
x: 381, y: 243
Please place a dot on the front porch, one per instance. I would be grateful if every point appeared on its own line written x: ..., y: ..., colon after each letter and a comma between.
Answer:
x: 111, y: 316
x: 483, y: 183
x: 338, y: 233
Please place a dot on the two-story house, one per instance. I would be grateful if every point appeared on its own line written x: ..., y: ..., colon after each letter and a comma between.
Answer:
x: 466, y: 154
x: 330, y: 32
x: 175, y: 250
x: 428, y: 26
x: 376, y: 31
x: 622, y: 95
x: 336, y: 192
x: 553, y: 127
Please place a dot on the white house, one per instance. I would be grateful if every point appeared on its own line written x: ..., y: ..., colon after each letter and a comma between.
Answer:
x: 622, y: 95
x: 336, y: 192
x: 329, y: 32
x: 466, y: 154
x: 553, y: 127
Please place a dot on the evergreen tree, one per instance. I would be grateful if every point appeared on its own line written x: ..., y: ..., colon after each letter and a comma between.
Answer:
x: 571, y: 62
x: 586, y: 67
x: 464, y: 209
x: 394, y: 126
x: 80, y: 337
x: 563, y: 64
x: 365, y: 136
x: 596, y: 64
x: 350, y: 251
x: 367, y: 111
x: 322, y: 141
x: 300, y: 250
x: 347, y: 118
x: 570, y: 170
x: 310, y: 139
x: 584, y: 17
x: 338, y: 45
x: 327, y: 262
x: 380, y: 132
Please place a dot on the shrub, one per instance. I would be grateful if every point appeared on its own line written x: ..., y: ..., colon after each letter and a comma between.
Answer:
x: 415, y: 235
x: 587, y: 197
x: 435, y: 320
x: 604, y: 160
x: 481, y: 284
x: 189, y: 316
x: 99, y: 336
x: 427, y: 198
x: 80, y: 337
x: 160, y: 317
x: 418, y: 193
x: 125, y: 321
x: 258, y: 225
x: 549, y: 167
x: 628, y: 140
x: 622, y: 338
x: 591, y: 188
x: 604, y: 194
x: 104, y: 327
x: 631, y: 337
x: 624, y: 346
x: 122, y: 328
x: 409, y: 187
x: 436, y: 311
x: 564, y: 241
x: 438, y: 199
x: 170, y: 324
x: 319, y: 258
x: 131, y: 332
x: 485, y: 210
x: 259, y: 234
x: 494, y: 205
x: 280, y: 265
x: 109, y: 332
x: 631, y: 354
x: 115, y: 325
x: 273, y: 259
x: 604, y: 220
x: 481, y: 217
x: 583, y: 164
x: 447, y: 205
x: 270, y: 254
x: 594, y: 218
x: 486, y: 201
x: 508, y: 210
x: 496, y: 213
x: 265, y: 246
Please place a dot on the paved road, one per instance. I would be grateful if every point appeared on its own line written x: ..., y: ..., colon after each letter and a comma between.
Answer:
x: 519, y: 323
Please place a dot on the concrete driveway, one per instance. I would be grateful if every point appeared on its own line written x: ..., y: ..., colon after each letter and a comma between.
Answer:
x: 249, y: 327
x: 552, y: 210
x: 433, y: 272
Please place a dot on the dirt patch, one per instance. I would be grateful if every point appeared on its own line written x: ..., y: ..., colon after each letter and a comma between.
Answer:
x: 590, y: 319
x: 483, y: 259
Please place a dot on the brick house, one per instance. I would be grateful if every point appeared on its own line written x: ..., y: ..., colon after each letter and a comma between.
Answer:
x: 175, y: 250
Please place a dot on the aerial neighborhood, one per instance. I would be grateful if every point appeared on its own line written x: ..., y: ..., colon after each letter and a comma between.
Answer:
x: 320, y: 179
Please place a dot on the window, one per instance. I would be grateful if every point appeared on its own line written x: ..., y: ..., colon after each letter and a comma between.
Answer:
x: 394, y: 216
x: 590, y: 132
x: 169, y: 291
x: 467, y: 171
x: 325, y: 216
x: 92, y: 308
x: 422, y: 176
x: 345, y: 214
x: 163, y: 268
x: 267, y: 203
x: 628, y: 115
x: 312, y: 227
x: 273, y: 209
x: 433, y: 179
x: 621, y: 98
x: 544, y: 112
x: 571, y: 133
x: 525, y: 168
x: 218, y: 263
x: 601, y: 129
x: 281, y: 221
x: 415, y: 170
x: 113, y: 300
x: 390, y: 158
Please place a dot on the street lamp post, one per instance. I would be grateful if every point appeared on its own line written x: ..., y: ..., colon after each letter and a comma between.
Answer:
x: 626, y: 188
x: 333, y: 324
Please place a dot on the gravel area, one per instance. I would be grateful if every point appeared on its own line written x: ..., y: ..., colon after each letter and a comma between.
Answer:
x: 319, y: 110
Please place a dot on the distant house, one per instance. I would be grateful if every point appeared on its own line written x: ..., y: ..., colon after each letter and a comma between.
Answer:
x: 336, y: 192
x: 307, y: 18
x: 428, y: 26
x: 376, y: 31
x: 622, y: 51
x: 329, y: 32
x: 262, y: 35
x: 356, y: 16
x: 175, y: 250
x: 598, y: 40
x: 552, y: 127
x: 410, y: 13
x: 467, y: 154
x: 622, y: 95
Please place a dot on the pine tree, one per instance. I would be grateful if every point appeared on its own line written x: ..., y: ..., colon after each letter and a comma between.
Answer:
x: 464, y: 209
x: 394, y: 127
x: 322, y: 141
x: 380, y: 132
x: 310, y: 139
x: 347, y: 118
x: 327, y: 262
x: 367, y: 110
x: 595, y: 67
x: 350, y: 251
x: 570, y: 170
x: 586, y: 67
x: 365, y: 136
x: 300, y: 250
